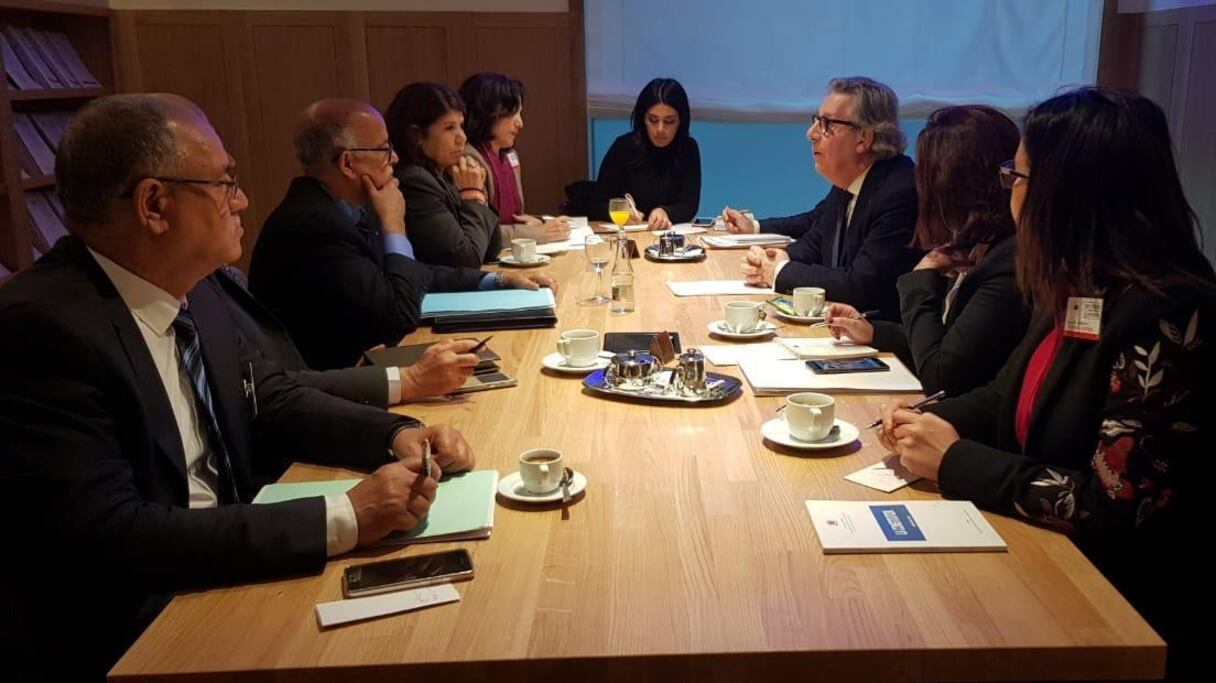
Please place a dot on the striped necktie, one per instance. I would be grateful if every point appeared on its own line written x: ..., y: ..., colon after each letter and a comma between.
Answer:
x: 190, y: 356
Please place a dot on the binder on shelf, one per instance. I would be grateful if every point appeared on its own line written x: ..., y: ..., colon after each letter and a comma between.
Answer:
x: 27, y: 132
x: 71, y: 58
x: 16, y: 71
x: 47, y: 226
x: 31, y: 59
x: 51, y: 125
x: 56, y: 205
x: 40, y: 43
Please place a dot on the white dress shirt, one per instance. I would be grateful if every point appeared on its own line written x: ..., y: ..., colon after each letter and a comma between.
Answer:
x: 154, y: 311
x: 854, y: 189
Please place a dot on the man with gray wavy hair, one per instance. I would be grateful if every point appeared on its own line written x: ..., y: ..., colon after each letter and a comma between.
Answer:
x: 854, y: 243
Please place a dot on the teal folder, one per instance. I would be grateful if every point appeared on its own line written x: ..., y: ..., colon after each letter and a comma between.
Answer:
x: 463, y: 509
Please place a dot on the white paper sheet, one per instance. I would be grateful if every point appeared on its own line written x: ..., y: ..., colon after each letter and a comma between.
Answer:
x: 715, y: 288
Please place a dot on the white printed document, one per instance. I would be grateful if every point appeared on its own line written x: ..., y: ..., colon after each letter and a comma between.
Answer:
x: 911, y: 526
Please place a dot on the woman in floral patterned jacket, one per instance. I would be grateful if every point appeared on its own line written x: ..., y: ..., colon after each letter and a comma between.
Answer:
x: 1096, y: 425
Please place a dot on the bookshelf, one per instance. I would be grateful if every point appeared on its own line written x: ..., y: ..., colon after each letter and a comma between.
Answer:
x: 26, y: 183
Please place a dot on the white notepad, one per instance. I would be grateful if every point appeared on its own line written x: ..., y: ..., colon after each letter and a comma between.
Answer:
x: 913, y: 526
x: 825, y: 348
x: 777, y: 377
x: 715, y: 288
x: 733, y: 353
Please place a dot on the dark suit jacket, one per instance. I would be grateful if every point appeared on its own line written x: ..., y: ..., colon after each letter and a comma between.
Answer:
x: 445, y: 229
x: 1116, y: 449
x: 331, y: 283
x: 265, y: 333
x: 987, y: 320
x: 93, y: 472
x: 875, y: 251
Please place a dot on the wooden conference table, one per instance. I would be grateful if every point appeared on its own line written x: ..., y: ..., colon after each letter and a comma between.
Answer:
x: 690, y: 557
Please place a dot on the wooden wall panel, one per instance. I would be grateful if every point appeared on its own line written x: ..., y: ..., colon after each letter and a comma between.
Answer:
x: 290, y: 60
x: 253, y: 72
x: 541, y: 144
x: 403, y: 48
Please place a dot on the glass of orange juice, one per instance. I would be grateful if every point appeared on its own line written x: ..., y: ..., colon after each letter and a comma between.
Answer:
x: 619, y: 211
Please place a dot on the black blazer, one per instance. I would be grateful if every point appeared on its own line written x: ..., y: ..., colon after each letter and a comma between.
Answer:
x: 93, y: 471
x: 670, y: 178
x: 445, y: 229
x: 875, y: 251
x: 1116, y: 448
x: 265, y: 333
x: 331, y: 283
x: 987, y: 320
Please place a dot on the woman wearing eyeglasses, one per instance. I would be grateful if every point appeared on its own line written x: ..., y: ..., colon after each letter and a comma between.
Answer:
x: 961, y: 310
x: 658, y: 163
x: 1098, y: 424
x: 493, y: 122
x: 447, y: 213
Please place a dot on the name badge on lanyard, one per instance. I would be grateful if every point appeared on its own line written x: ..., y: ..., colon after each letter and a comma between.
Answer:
x: 513, y: 159
x: 1084, y: 318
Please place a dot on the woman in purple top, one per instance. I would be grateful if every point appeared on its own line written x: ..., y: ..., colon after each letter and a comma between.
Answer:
x: 495, y: 106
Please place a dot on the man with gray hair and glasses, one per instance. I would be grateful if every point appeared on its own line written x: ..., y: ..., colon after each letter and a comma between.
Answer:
x: 855, y: 242
x: 334, y: 261
x: 136, y: 425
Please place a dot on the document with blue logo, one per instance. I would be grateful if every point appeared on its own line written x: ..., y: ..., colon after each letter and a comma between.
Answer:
x: 913, y: 526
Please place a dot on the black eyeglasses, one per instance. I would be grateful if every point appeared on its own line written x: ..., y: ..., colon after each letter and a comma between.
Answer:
x: 386, y: 149
x: 1008, y: 175
x: 231, y: 187
x: 827, y: 126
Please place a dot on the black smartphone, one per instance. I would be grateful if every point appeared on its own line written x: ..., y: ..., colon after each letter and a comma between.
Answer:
x: 836, y: 367
x: 406, y: 572
x: 703, y: 222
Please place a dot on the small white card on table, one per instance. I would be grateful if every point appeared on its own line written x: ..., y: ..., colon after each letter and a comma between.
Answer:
x: 357, y: 609
x: 886, y: 475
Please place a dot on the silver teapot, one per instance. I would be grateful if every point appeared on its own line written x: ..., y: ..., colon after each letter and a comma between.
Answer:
x: 690, y: 372
x: 671, y: 243
x: 632, y: 370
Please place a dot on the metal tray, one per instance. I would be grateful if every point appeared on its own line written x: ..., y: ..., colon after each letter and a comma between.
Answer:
x: 728, y: 387
x: 691, y: 253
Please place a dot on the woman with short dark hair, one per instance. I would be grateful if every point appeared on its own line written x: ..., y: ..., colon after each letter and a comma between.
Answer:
x: 961, y: 310
x: 658, y: 163
x: 447, y: 217
x: 493, y: 122
x: 1099, y: 423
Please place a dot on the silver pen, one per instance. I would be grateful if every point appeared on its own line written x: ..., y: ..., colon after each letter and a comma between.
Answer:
x: 426, y: 457
x: 915, y: 406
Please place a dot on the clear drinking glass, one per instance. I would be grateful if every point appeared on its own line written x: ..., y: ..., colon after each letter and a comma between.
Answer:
x: 599, y: 253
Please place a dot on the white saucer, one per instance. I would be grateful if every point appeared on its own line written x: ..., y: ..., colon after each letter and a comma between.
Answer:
x: 512, y: 486
x: 806, y: 319
x: 777, y: 431
x: 555, y: 361
x: 509, y: 260
x: 718, y: 327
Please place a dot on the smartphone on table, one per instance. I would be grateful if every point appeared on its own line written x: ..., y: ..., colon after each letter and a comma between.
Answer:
x: 406, y: 572
x: 841, y: 366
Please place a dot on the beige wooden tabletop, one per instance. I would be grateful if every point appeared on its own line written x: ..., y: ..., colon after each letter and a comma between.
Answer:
x: 690, y: 557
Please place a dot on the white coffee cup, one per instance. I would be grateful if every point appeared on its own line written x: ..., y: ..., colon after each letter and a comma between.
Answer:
x: 523, y: 250
x: 809, y: 300
x: 541, y: 469
x: 810, y: 416
x: 743, y: 316
x: 580, y: 348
